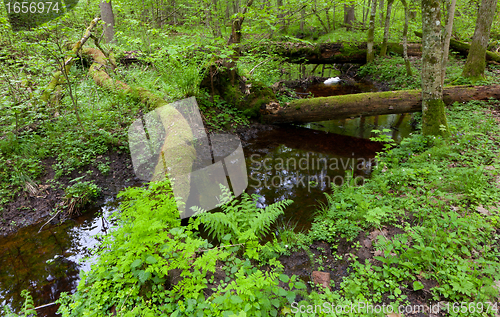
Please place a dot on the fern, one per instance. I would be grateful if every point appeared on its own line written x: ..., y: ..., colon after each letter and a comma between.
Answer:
x: 242, y: 220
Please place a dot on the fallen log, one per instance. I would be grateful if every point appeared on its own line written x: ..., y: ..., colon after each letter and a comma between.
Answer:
x: 328, y: 53
x: 367, y: 104
x: 463, y: 48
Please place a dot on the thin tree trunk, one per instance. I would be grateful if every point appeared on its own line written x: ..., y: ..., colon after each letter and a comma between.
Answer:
x: 215, y: 19
x: 433, y: 108
x: 108, y: 18
x: 405, y: 40
x: 448, y: 31
x: 370, y: 54
x: 381, y: 9
x: 383, y: 50
x: 476, y: 60
x: 302, y: 17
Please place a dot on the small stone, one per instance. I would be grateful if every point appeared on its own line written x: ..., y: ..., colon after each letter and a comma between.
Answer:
x: 321, y: 278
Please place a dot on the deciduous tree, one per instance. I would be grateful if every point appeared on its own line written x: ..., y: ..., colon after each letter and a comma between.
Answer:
x: 433, y: 108
x: 476, y: 60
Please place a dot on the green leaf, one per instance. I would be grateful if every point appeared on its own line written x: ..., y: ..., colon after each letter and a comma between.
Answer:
x: 151, y: 260
x: 300, y: 285
x: 136, y: 264
x: 235, y: 299
x: 417, y: 286
x: 284, y: 278
x: 144, y: 276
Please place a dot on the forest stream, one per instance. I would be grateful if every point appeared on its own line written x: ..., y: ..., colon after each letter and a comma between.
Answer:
x: 283, y: 162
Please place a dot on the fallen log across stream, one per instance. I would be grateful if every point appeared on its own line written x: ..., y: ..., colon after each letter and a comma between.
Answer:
x: 329, y: 53
x: 367, y: 104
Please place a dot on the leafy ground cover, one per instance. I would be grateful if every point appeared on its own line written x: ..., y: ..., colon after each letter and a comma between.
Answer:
x: 423, y: 231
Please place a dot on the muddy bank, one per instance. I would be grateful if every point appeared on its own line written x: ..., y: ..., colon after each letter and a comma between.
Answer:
x: 27, y: 209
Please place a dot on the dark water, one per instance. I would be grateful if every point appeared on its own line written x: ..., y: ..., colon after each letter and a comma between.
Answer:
x: 48, y: 263
x: 344, y: 87
x: 300, y: 163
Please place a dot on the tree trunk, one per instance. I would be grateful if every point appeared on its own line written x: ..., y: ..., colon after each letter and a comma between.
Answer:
x: 405, y: 40
x: 448, y: 32
x: 463, y: 48
x: 369, y: 104
x: 370, y: 54
x: 476, y: 61
x: 381, y: 9
x: 383, y: 50
x: 108, y: 18
x: 433, y: 108
x: 215, y: 20
x: 349, y: 18
x: 302, y: 18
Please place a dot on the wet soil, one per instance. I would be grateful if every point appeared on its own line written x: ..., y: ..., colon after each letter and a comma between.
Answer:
x: 27, y: 208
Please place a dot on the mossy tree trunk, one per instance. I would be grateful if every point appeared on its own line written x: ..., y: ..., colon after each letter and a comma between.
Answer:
x: 383, y: 50
x: 433, y: 108
x: 476, y: 60
x: 405, y: 40
x: 370, y: 54
x: 448, y: 31
x: 368, y: 104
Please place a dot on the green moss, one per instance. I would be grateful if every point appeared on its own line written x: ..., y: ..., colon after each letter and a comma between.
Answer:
x: 434, y: 119
x: 253, y: 112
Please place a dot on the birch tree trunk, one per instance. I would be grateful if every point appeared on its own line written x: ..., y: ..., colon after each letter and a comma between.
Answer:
x: 433, y: 108
x: 108, y: 18
x: 448, y: 31
x: 370, y: 54
x: 383, y: 50
x: 476, y: 60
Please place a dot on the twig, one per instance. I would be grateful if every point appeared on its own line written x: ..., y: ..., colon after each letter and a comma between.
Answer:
x: 46, y: 305
x: 48, y: 221
x: 257, y: 66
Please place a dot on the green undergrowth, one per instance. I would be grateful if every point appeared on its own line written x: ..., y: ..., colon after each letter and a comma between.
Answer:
x: 439, y: 197
x: 392, y: 71
x: 151, y: 266
x: 442, y: 197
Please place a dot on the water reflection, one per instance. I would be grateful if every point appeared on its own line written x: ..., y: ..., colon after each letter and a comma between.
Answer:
x: 48, y: 263
x: 361, y: 127
x: 301, y: 164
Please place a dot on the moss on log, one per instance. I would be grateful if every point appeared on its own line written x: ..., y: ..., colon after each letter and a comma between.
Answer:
x: 463, y: 48
x: 327, y: 53
x: 368, y: 104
